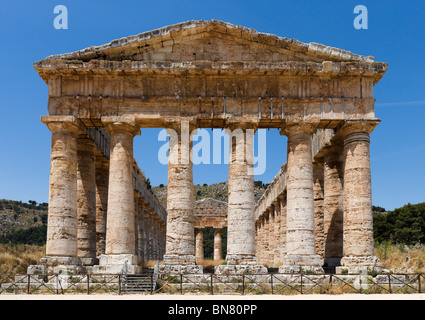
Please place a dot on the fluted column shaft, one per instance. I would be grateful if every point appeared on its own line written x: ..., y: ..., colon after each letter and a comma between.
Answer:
x: 86, y: 204
x: 62, y: 214
x: 241, y: 223
x: 300, y: 234
x: 358, y: 219
x: 180, y: 218
x: 217, y: 244
x: 120, y: 233
x: 199, y: 233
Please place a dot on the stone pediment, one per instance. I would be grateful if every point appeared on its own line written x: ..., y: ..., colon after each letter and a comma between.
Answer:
x: 210, y: 41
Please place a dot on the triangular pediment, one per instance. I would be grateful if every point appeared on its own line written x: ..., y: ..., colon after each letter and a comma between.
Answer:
x: 210, y: 41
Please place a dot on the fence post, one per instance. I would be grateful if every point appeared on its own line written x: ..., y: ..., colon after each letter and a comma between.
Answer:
x: 88, y: 283
x: 119, y: 284
x: 301, y: 283
x: 28, y: 284
x: 389, y: 283
x: 419, y: 282
x: 152, y: 284
x: 212, y: 284
x: 243, y: 283
x: 181, y: 283
x: 271, y: 282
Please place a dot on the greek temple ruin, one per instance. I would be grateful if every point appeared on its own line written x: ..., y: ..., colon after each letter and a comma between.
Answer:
x: 316, y: 213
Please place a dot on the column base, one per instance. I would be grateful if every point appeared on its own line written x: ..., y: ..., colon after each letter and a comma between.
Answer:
x: 118, y: 263
x: 174, y: 263
x: 359, y: 264
x: 241, y: 264
x: 240, y: 269
x: 301, y: 264
x: 57, y: 265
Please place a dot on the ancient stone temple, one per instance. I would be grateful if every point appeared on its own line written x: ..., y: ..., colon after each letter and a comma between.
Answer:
x: 211, y: 74
x: 209, y: 213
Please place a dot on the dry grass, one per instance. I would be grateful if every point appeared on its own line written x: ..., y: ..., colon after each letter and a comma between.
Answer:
x: 401, y: 258
x: 15, y: 259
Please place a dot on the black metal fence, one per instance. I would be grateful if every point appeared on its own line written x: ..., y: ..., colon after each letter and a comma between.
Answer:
x: 246, y: 284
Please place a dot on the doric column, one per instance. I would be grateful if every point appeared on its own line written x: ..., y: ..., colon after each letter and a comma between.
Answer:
x: 358, y: 219
x: 276, y: 232
x: 240, y: 213
x: 217, y: 244
x: 141, y: 234
x: 282, y: 242
x: 180, y: 249
x: 333, y: 205
x: 120, y: 232
x: 318, y: 191
x: 199, y: 234
x: 102, y: 182
x: 61, y: 246
x: 300, y: 234
x: 86, y: 204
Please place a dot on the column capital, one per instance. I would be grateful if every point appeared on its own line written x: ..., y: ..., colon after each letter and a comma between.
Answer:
x: 242, y: 126
x: 298, y: 128
x: 179, y: 126
x: 352, y: 126
x: 63, y: 123
x: 121, y: 124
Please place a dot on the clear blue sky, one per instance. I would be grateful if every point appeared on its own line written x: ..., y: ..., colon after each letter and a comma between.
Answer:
x: 395, y: 35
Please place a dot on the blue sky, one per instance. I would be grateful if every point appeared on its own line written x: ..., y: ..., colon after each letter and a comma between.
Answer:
x: 395, y: 35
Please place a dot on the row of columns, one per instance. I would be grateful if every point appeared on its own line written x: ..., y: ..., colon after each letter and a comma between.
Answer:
x: 93, y: 209
x: 325, y: 217
x: 120, y: 245
x: 217, y: 253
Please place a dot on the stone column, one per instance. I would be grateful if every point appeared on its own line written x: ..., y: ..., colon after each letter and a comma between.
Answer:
x: 282, y: 242
x: 241, y: 221
x: 199, y: 232
x: 300, y: 235
x: 358, y: 219
x: 141, y: 234
x: 318, y: 191
x: 276, y: 232
x: 61, y: 245
x: 180, y: 250
x: 102, y: 183
x: 148, y: 226
x: 86, y: 204
x: 120, y: 232
x: 217, y: 244
x: 333, y: 205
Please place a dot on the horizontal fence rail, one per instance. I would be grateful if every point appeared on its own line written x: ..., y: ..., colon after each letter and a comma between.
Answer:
x: 246, y: 284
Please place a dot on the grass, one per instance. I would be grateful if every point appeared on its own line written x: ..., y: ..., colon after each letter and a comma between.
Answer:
x: 399, y: 258
x: 15, y: 259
